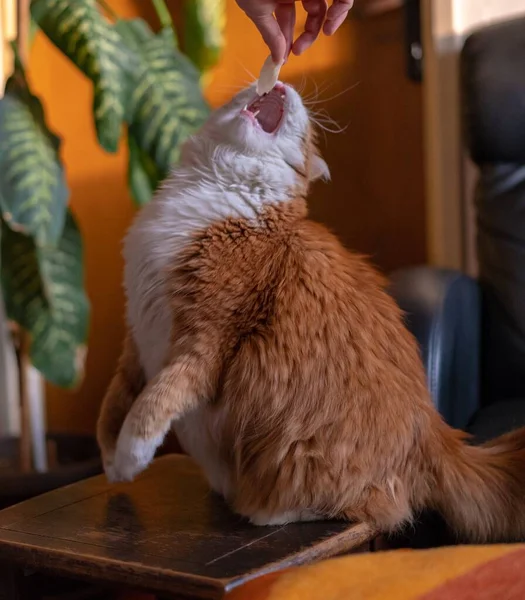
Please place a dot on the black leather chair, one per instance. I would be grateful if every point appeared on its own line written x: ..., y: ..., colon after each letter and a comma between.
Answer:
x: 472, y: 333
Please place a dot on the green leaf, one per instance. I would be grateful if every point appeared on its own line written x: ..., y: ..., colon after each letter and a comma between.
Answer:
x: 82, y: 33
x: 204, y: 25
x: 143, y: 174
x: 33, y: 189
x: 43, y: 291
x: 166, y: 104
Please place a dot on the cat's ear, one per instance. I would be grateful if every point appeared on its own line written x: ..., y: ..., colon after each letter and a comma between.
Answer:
x: 318, y: 168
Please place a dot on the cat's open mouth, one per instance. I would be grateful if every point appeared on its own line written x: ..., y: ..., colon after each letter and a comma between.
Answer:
x: 267, y: 111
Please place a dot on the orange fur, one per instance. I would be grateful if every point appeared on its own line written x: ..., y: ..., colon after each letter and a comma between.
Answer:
x: 321, y: 389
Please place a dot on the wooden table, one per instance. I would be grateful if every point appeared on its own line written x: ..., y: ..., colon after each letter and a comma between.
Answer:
x: 165, y: 533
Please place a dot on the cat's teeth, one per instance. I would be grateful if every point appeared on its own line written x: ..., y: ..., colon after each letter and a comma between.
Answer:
x: 256, y: 113
x: 245, y: 107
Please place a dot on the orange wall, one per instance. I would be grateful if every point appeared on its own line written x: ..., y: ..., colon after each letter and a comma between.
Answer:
x: 99, y: 195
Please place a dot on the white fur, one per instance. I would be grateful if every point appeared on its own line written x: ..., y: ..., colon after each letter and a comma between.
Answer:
x: 265, y: 520
x: 231, y: 168
x: 132, y: 454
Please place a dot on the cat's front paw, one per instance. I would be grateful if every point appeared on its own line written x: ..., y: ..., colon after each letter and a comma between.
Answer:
x: 132, y: 455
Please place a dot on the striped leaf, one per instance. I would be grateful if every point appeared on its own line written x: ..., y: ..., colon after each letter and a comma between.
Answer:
x: 33, y: 190
x: 81, y: 32
x: 204, y: 24
x: 43, y: 290
x: 143, y: 173
x: 166, y: 103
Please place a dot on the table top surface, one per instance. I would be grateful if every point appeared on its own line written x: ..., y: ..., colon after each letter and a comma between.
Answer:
x: 166, y: 531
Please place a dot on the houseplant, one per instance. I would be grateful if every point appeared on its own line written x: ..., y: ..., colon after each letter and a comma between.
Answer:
x: 147, y: 94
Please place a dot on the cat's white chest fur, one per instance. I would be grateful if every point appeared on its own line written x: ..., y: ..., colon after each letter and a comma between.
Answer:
x: 147, y: 256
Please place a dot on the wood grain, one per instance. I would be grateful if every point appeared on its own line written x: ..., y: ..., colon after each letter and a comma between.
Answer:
x: 166, y: 533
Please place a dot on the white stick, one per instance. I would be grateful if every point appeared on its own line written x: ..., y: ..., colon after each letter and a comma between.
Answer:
x: 268, y: 76
x: 37, y: 419
x: 9, y: 393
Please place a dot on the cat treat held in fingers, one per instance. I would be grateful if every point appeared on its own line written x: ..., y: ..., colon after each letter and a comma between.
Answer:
x: 277, y: 355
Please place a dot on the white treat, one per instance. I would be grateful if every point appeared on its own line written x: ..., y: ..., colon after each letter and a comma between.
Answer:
x: 269, y: 76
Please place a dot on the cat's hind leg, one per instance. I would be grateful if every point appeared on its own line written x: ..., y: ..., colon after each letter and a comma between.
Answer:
x: 386, y: 507
x: 126, y: 385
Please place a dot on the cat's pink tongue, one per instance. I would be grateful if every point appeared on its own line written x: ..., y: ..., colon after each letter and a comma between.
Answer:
x: 269, y: 109
x: 270, y: 113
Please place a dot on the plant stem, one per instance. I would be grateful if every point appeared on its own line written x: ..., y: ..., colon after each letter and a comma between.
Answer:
x: 23, y: 19
x: 22, y: 355
x: 163, y: 13
x: 105, y: 6
x: 22, y: 29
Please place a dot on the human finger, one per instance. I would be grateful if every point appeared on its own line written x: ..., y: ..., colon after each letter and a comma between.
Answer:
x: 316, y: 10
x: 285, y: 16
x: 336, y: 15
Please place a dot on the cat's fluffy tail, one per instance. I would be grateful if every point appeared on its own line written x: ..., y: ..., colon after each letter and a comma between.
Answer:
x: 480, y: 490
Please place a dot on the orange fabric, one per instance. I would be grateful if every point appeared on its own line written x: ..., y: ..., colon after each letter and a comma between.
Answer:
x: 502, y: 578
x: 439, y: 574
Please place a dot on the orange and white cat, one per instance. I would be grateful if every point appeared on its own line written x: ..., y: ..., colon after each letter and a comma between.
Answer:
x: 278, y: 356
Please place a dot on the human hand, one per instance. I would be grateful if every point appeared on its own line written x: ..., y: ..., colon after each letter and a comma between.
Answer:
x: 275, y: 20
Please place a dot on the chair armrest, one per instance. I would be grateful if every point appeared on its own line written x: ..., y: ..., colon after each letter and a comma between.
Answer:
x: 442, y: 310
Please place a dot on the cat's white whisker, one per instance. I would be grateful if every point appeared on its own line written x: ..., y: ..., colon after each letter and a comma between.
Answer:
x: 323, y: 120
x: 247, y: 71
x: 302, y: 85
x: 308, y: 102
x: 316, y: 93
